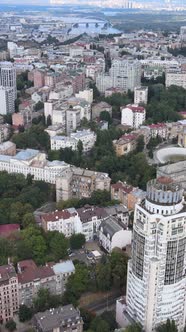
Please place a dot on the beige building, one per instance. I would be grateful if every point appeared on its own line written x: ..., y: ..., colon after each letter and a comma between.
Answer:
x: 80, y: 183
x: 125, y: 144
x: 9, y: 300
x: 8, y: 148
x: 101, y: 107
x: 182, y: 137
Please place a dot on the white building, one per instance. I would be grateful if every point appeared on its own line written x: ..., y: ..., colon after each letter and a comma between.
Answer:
x: 32, y: 162
x: 111, y: 235
x: 8, y: 76
x: 133, y: 116
x: 65, y: 221
x: 141, y: 95
x: 183, y: 33
x: 61, y: 91
x: 63, y: 271
x: 176, y: 78
x: 7, y: 105
x: 85, y: 94
x: 125, y: 74
x: 156, y: 283
x: 87, y: 137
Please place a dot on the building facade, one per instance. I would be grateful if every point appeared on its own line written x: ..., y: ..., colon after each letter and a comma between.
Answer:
x: 156, y: 272
x: 133, y: 116
x: 7, y: 100
x: 8, y: 77
x: 141, y: 95
x: 9, y: 299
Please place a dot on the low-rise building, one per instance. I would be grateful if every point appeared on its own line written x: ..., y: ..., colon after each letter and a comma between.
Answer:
x: 101, y: 107
x: 85, y: 94
x: 133, y: 116
x: 79, y: 183
x: 125, y: 144
x: 61, y: 319
x: 8, y: 148
x: 87, y: 137
x: 111, y: 235
x: 177, y: 78
x: 119, y: 212
x: 141, y: 95
x: 23, y: 118
x: 65, y: 221
x: 32, y: 162
x: 5, y: 130
x: 54, y: 130
x: 9, y: 304
x: 127, y: 195
x: 182, y: 137
x: 91, y: 217
x: 158, y: 129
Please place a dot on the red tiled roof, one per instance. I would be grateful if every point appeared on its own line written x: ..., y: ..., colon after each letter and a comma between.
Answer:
x: 136, y: 108
x: 157, y: 125
x: 120, y: 185
x: 26, y: 264
x: 56, y: 215
x: 8, y: 229
x: 32, y: 274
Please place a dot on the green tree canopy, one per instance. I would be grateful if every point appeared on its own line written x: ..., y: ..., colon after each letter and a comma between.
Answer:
x: 77, y: 241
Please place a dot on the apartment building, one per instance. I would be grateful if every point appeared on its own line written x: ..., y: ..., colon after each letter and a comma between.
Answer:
x: 156, y: 271
x: 9, y: 298
x: 85, y: 94
x: 4, y: 132
x: 78, y: 183
x: 61, y: 319
x: 52, y: 277
x: 8, y: 148
x: 125, y: 144
x: 91, y: 218
x: 103, y: 82
x: 177, y: 78
x: 133, y: 115
x: 66, y: 222
x: 87, y: 137
x: 23, y: 118
x: 129, y: 196
x: 182, y: 137
x: 32, y: 162
x: 8, y: 77
x: 141, y: 95
x: 7, y: 100
x: 125, y: 74
x: 158, y: 129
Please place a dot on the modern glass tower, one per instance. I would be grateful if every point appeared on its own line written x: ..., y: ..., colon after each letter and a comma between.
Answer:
x: 156, y: 282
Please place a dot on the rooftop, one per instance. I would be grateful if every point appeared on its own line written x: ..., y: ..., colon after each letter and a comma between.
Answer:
x: 110, y: 226
x: 64, y: 267
x: 26, y: 154
x: 57, y: 215
x: 58, y: 317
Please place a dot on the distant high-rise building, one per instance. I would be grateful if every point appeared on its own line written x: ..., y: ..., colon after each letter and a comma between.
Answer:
x: 183, y: 33
x: 7, y: 104
x: 125, y: 74
x: 8, y: 76
x: 156, y: 283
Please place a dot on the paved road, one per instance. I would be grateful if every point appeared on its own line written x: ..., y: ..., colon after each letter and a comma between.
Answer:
x: 104, y: 304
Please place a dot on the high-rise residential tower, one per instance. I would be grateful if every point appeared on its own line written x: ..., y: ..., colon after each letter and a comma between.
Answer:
x: 156, y: 282
x: 8, y: 76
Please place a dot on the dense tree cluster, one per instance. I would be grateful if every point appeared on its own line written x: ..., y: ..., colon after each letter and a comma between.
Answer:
x: 34, y: 137
x: 109, y: 274
x: 164, y: 104
x: 19, y: 196
x: 23, y: 82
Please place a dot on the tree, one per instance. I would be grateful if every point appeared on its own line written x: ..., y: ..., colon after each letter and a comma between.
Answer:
x: 140, y: 144
x: 49, y: 121
x: 169, y: 326
x: 28, y: 219
x: 80, y: 147
x: 25, y: 313
x: 99, y: 325
x: 134, y: 328
x: 104, y: 115
x: 103, y: 277
x: 45, y: 300
x: 10, y: 325
x: 58, y: 245
x: 77, y: 241
x: 38, y: 106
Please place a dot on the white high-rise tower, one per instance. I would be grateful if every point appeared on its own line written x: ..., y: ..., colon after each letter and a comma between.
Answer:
x: 156, y: 282
x: 8, y: 76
